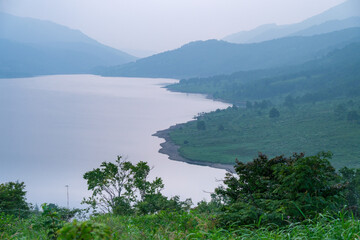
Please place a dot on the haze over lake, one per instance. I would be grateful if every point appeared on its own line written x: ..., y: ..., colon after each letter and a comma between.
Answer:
x: 55, y: 128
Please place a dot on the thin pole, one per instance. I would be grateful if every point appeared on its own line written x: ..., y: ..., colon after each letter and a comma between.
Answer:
x: 67, y: 195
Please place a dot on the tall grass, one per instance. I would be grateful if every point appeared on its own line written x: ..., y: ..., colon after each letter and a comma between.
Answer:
x: 196, y: 226
x: 193, y: 226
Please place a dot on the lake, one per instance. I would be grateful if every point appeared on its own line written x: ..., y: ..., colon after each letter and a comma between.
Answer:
x: 55, y: 128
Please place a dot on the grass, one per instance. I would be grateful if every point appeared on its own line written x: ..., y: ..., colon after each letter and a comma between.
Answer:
x: 199, y: 226
x: 308, y: 128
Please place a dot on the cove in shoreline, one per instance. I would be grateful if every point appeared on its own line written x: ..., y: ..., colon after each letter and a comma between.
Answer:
x: 172, y: 150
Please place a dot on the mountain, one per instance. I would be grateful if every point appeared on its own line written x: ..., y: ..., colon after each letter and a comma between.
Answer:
x: 329, y: 26
x: 35, y: 47
x: 212, y: 57
x: 346, y: 10
x: 334, y: 75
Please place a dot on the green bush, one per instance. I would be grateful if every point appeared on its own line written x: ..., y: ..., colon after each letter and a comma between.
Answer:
x: 13, y: 199
x: 274, y: 113
x: 280, y: 190
x: 87, y: 230
x: 153, y: 203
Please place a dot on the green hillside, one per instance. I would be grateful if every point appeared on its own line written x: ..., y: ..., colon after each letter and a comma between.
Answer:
x: 318, y: 104
x: 212, y: 57
x: 238, y: 133
x: 336, y: 74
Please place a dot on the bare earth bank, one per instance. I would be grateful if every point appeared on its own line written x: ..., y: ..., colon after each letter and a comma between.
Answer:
x: 172, y: 150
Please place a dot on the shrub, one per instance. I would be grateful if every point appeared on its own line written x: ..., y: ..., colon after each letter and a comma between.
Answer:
x: 272, y: 190
x: 274, y: 113
x: 85, y: 231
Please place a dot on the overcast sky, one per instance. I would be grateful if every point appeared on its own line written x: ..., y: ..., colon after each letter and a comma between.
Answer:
x: 158, y: 25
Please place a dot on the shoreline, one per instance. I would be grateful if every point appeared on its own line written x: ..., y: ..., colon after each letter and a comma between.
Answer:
x: 172, y: 150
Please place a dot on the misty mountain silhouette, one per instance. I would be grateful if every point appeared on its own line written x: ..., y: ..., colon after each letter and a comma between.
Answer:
x: 35, y: 47
x: 346, y: 10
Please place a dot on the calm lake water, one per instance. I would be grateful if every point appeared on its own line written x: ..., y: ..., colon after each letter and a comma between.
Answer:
x: 55, y: 128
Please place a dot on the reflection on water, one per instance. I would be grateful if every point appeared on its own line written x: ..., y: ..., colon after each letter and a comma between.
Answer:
x: 55, y: 128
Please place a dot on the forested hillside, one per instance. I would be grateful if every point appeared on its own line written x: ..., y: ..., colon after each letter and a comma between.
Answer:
x: 310, y: 107
x: 334, y: 75
x: 212, y: 57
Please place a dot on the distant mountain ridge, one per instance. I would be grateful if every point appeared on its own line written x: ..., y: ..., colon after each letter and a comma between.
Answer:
x: 337, y: 74
x: 330, y: 26
x: 34, y: 47
x: 212, y: 57
x: 340, y: 13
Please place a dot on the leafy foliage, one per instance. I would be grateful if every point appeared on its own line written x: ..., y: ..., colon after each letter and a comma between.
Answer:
x: 124, y: 189
x: 297, y: 197
x: 13, y: 198
x: 86, y: 230
x: 116, y: 185
x: 274, y: 113
x: 110, y: 184
x: 351, y: 178
x: 279, y: 189
x: 153, y: 203
x: 51, y: 220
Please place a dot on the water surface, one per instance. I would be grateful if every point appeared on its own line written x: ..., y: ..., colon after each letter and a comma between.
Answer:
x: 55, y: 128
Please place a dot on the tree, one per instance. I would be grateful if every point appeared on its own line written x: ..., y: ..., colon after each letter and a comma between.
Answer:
x: 221, y: 127
x: 117, y: 186
x: 109, y: 184
x: 249, y: 105
x: 200, y: 125
x: 353, y: 116
x: 13, y: 198
x: 157, y: 202
x: 63, y: 213
x: 340, y: 111
x: 289, y: 101
x: 274, y: 113
x: 140, y: 173
x: 263, y: 104
x: 279, y: 188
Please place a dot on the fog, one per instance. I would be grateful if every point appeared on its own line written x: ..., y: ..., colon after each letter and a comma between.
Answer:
x: 147, y: 26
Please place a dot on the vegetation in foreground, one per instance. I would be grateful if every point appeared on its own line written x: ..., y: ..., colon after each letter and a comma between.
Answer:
x: 295, y: 197
x: 169, y: 226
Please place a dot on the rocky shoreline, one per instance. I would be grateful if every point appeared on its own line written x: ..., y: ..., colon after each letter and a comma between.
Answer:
x: 172, y: 150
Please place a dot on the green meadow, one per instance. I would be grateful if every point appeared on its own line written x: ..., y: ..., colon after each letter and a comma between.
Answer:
x: 240, y: 133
